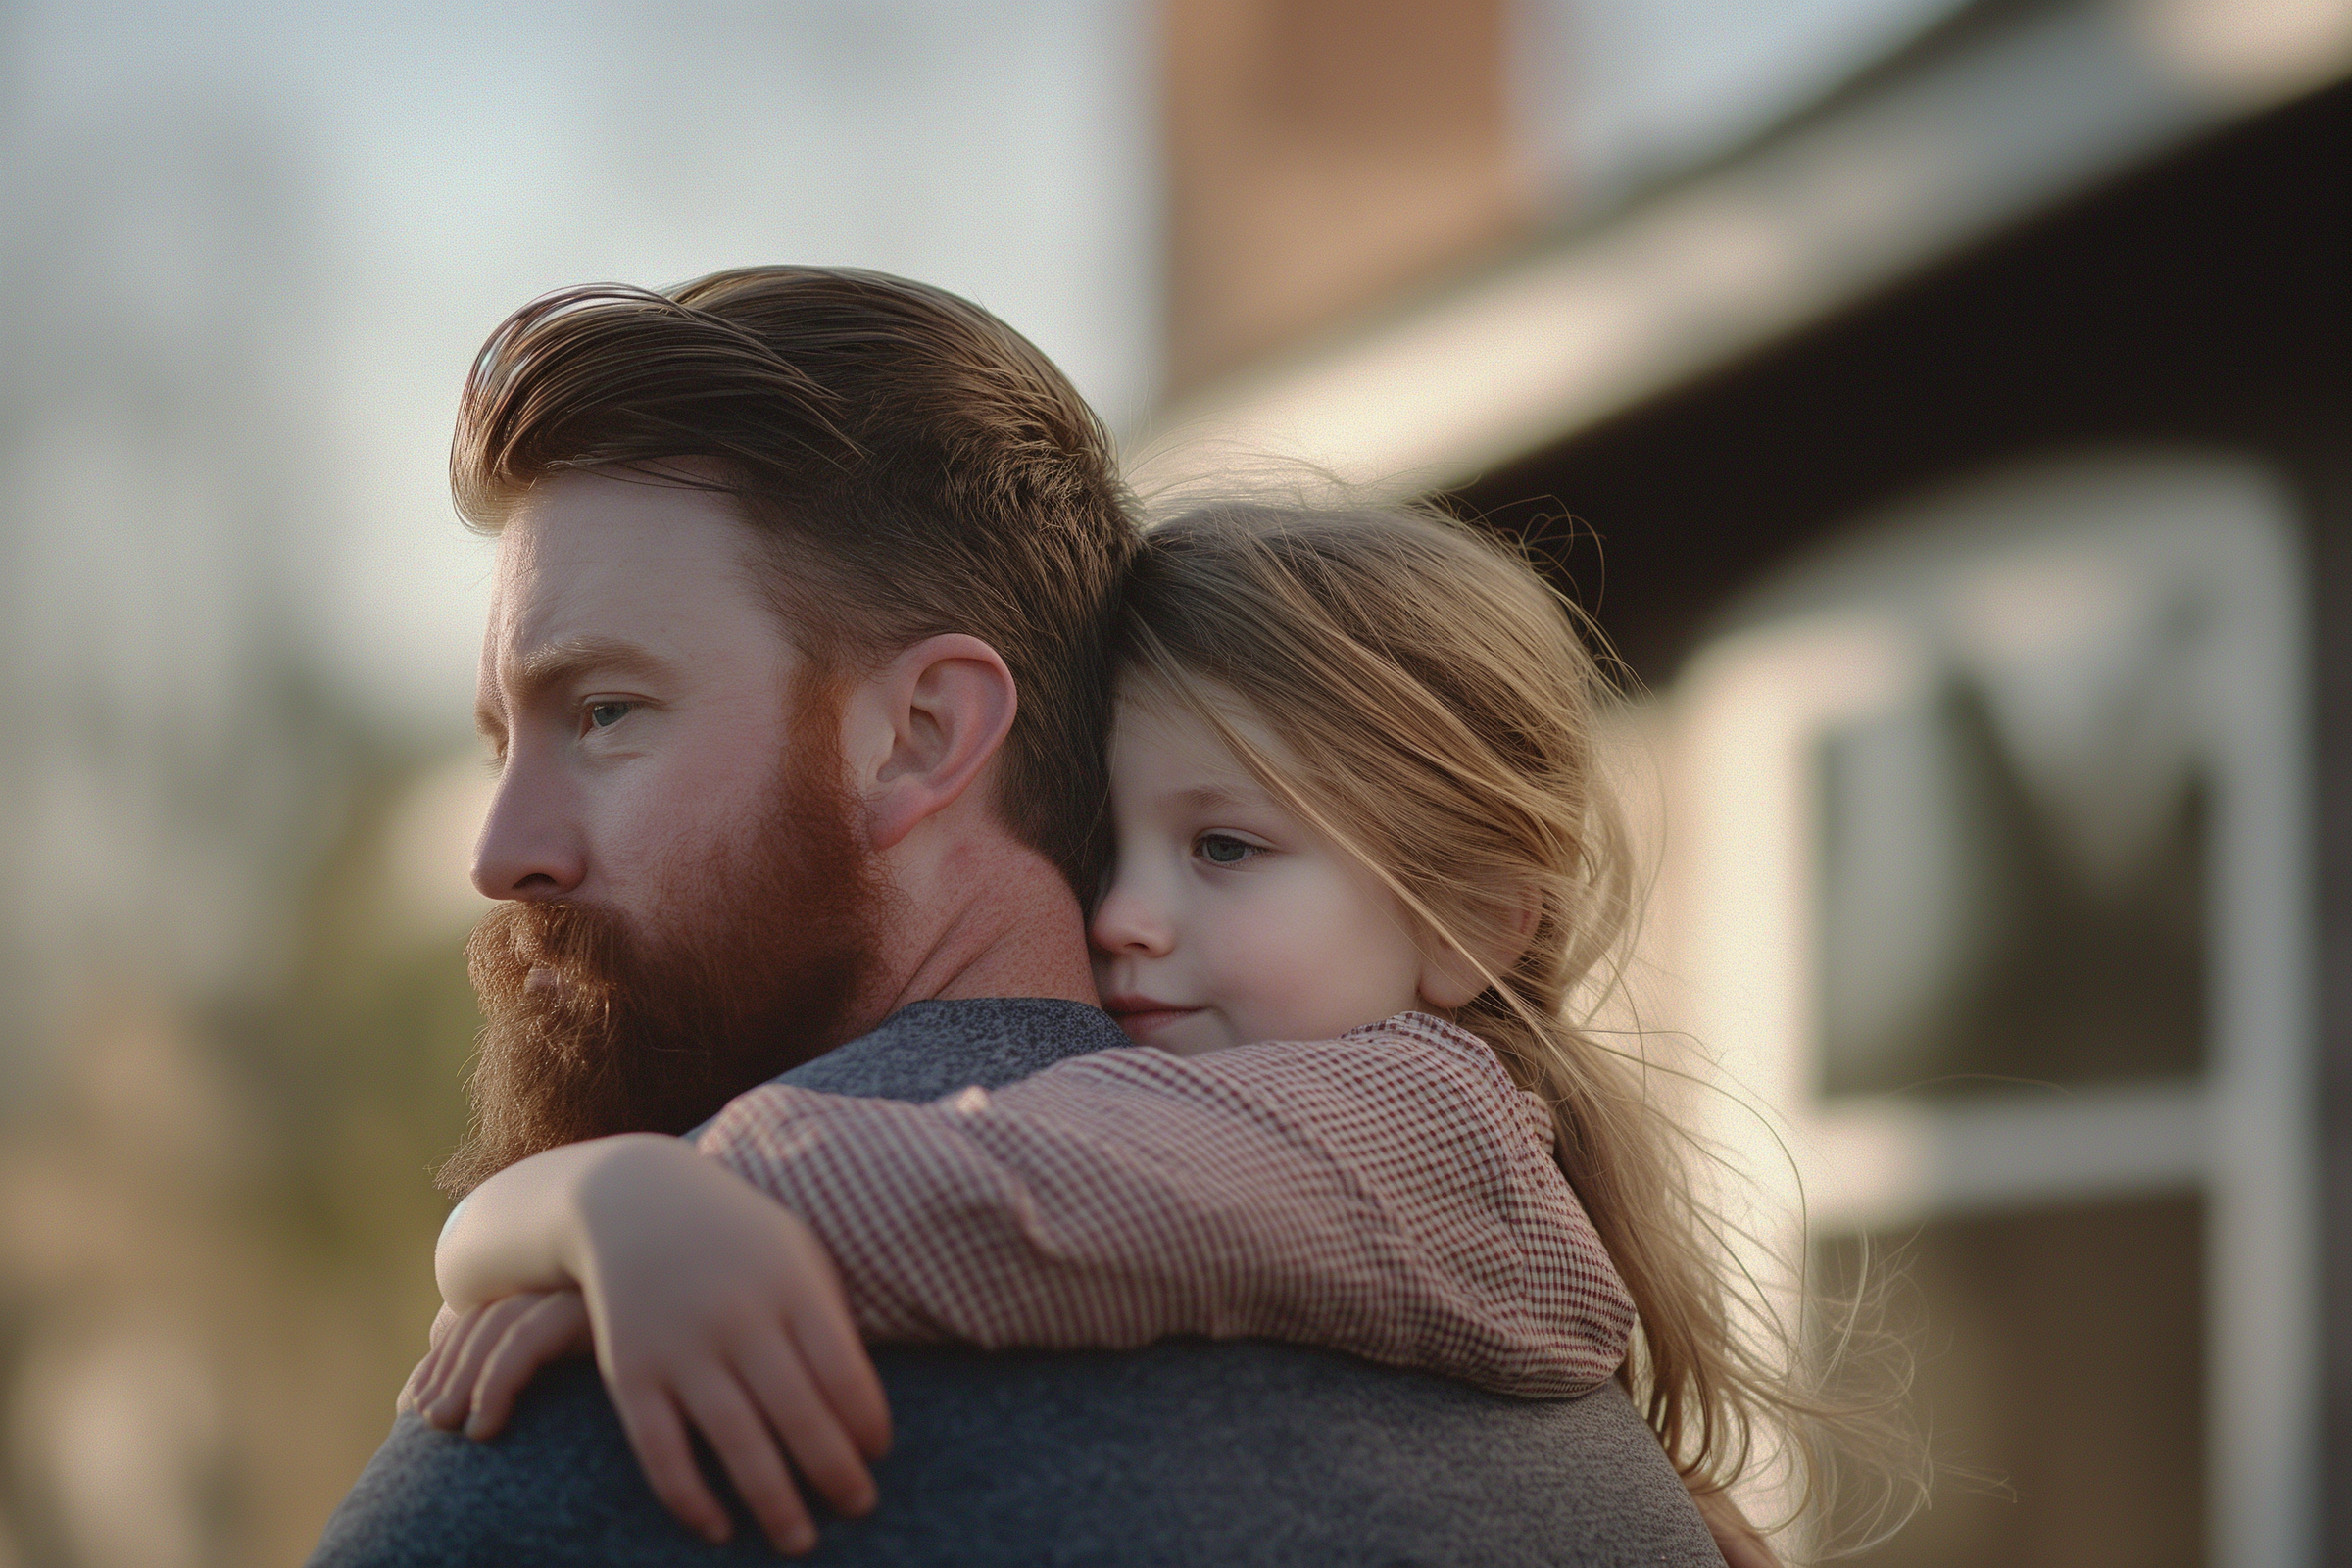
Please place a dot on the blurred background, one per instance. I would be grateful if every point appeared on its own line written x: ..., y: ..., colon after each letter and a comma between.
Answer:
x: 1941, y: 405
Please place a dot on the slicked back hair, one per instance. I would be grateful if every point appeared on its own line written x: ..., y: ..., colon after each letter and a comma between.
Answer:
x: 912, y: 466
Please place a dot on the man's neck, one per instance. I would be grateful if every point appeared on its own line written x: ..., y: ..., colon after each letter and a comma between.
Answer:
x: 987, y: 917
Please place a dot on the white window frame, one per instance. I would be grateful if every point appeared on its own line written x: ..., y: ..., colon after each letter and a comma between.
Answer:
x: 1736, y: 913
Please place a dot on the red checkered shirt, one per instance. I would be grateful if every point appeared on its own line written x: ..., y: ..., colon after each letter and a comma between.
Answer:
x: 1391, y: 1192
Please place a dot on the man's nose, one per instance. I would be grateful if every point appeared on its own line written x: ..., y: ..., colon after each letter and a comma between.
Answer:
x: 529, y: 847
x: 1130, y: 921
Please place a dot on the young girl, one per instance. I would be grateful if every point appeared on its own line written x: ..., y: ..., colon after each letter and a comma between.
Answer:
x: 1357, y: 805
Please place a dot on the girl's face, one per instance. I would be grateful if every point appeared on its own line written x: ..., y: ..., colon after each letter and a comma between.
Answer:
x: 1228, y: 920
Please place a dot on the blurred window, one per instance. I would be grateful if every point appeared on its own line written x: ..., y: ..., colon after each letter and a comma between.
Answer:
x: 2075, y: 1437
x: 1990, y: 879
x: 2011, y: 879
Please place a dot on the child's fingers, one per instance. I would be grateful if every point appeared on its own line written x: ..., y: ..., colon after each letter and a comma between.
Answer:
x: 417, y: 1378
x: 836, y: 1358
x: 502, y: 1366
x: 663, y: 1453
x: 718, y: 1407
x: 470, y: 1344
x: 771, y: 1368
x: 433, y: 1373
x: 552, y: 1327
x: 413, y: 1391
x: 437, y: 1400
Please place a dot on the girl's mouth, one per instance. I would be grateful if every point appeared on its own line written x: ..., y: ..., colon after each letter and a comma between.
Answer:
x: 1142, y: 1017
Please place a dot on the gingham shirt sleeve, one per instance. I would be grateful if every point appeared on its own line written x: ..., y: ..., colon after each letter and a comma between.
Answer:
x: 1391, y: 1194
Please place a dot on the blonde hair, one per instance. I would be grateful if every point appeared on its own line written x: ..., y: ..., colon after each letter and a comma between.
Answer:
x: 1438, y: 706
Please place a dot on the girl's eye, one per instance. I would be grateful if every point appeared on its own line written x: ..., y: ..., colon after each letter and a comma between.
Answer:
x: 604, y: 716
x: 1223, y: 848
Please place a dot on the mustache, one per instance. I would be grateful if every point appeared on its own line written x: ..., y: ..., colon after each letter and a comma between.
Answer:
x: 575, y: 962
x: 580, y: 943
x: 548, y: 1069
x: 554, y: 971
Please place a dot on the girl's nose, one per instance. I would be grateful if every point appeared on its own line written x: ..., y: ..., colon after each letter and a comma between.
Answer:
x: 1129, y: 921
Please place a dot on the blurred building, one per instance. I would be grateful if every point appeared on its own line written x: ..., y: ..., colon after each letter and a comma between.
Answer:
x: 1950, y: 397
x: 1952, y: 438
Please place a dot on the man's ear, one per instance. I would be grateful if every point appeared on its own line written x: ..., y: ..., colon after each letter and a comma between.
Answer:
x: 938, y: 711
x: 1450, y: 980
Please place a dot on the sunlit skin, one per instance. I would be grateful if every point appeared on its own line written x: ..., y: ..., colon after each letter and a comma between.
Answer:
x: 1230, y: 920
x: 635, y: 692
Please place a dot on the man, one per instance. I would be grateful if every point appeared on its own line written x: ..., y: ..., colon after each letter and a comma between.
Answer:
x: 796, y: 670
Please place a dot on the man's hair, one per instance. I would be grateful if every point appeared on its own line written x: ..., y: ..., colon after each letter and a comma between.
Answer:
x: 913, y: 465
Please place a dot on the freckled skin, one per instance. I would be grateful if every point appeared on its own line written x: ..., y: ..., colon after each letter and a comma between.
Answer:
x: 1228, y: 919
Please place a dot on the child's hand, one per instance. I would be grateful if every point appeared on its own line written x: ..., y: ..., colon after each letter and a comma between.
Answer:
x: 443, y: 1322
x: 717, y: 1306
x: 482, y: 1358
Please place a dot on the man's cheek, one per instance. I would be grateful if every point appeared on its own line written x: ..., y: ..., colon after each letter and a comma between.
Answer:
x: 647, y: 839
x: 620, y: 873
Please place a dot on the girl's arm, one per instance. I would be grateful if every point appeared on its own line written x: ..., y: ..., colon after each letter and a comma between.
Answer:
x: 713, y: 1308
x: 1391, y: 1194
x: 518, y: 1230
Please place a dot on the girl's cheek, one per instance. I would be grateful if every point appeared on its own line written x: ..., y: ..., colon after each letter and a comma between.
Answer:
x: 1259, y: 965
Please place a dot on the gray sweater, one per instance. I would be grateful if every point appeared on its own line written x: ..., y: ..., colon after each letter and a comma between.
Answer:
x: 1187, y: 1451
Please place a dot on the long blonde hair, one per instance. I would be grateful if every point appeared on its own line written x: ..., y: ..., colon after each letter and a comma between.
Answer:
x: 1440, y: 705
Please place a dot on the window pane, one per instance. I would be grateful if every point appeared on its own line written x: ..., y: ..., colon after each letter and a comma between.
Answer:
x: 2061, y: 1381
x: 1964, y: 939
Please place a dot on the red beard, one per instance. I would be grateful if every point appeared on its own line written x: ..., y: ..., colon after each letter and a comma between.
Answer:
x: 752, y: 966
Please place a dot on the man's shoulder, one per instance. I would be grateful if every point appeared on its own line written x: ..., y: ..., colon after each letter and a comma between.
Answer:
x: 1234, y: 1452
x: 929, y: 1049
x: 1250, y: 1451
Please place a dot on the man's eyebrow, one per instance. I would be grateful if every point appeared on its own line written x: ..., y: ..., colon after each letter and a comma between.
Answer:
x: 567, y: 659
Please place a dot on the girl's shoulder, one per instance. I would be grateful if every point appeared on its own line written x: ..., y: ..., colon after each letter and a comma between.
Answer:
x: 1397, y: 1044
x: 1410, y: 1051
x: 1426, y: 1031
x: 1423, y: 1038
x: 1411, y: 1076
x: 1438, y: 1045
x: 1404, y: 1055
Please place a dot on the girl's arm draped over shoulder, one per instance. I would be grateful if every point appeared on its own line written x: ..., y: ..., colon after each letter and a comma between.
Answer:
x: 1391, y: 1194
x: 713, y: 1309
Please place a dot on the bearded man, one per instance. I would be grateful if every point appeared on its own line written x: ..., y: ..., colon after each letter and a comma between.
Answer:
x: 796, y: 672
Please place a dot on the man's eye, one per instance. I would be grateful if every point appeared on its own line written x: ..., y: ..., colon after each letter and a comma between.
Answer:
x: 1223, y: 848
x: 604, y: 716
